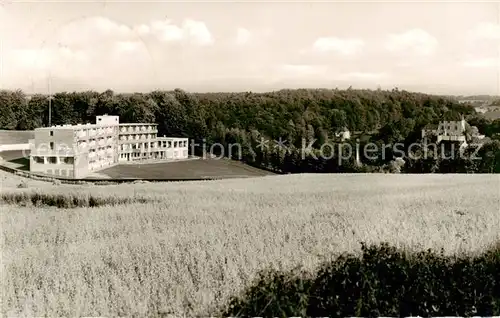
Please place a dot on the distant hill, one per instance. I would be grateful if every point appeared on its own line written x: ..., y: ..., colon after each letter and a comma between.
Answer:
x: 486, y: 98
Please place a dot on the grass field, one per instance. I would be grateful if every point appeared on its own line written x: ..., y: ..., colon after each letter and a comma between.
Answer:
x: 15, y: 136
x: 492, y: 115
x: 197, y: 243
x: 190, y: 169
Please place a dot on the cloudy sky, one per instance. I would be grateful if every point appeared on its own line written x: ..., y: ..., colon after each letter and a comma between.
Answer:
x: 450, y: 48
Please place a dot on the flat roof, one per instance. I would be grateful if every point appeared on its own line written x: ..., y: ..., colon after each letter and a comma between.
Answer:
x: 171, y: 138
x: 66, y: 127
x: 73, y: 127
x: 136, y: 124
x: 78, y: 126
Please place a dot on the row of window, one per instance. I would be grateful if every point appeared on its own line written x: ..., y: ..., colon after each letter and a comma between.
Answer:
x: 137, y: 137
x: 177, y: 144
x: 137, y: 128
x: 102, y: 159
x: 90, y: 132
x: 61, y: 172
x: 100, y: 149
x: 53, y: 160
x: 137, y: 146
x: 143, y: 155
x: 167, y: 144
x: 101, y: 142
x: 131, y: 155
x: 163, y: 144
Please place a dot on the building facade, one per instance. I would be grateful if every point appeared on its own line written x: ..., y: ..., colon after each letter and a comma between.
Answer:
x: 74, y: 151
x: 343, y: 134
x: 451, y: 131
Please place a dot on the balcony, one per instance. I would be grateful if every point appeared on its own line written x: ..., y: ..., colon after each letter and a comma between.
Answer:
x: 130, y: 132
x: 138, y: 131
x: 82, y: 145
x: 81, y: 135
x: 131, y: 141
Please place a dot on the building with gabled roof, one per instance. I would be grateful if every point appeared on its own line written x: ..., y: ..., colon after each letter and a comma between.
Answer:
x: 450, y: 131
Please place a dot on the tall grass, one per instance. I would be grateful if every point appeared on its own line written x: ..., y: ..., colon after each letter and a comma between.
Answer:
x: 200, y: 243
x: 67, y: 200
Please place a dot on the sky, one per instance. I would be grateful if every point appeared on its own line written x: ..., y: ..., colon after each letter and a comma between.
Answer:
x: 131, y: 46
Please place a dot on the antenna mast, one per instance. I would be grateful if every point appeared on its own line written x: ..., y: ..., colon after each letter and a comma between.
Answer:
x: 50, y: 101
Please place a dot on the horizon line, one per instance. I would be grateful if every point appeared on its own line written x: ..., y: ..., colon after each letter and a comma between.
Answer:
x: 249, y: 91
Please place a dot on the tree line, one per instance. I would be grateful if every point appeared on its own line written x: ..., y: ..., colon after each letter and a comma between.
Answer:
x: 301, y: 115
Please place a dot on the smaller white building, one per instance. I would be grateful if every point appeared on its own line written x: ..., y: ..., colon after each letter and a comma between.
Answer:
x: 343, y: 134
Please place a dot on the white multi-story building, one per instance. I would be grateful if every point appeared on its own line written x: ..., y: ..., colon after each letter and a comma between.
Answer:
x: 74, y: 151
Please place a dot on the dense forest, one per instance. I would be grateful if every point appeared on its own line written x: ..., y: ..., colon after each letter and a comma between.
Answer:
x: 297, y: 116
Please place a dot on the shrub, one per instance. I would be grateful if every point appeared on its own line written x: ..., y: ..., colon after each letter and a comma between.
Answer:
x: 104, y: 183
x: 274, y: 294
x: 70, y: 200
x: 22, y: 185
x: 384, y: 281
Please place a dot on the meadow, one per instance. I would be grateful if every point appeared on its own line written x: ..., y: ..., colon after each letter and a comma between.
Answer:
x: 189, y: 169
x: 185, y: 248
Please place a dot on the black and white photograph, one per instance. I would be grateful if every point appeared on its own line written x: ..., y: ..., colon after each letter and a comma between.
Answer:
x: 249, y: 158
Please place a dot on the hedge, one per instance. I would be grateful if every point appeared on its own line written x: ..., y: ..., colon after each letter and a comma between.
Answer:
x: 383, y: 281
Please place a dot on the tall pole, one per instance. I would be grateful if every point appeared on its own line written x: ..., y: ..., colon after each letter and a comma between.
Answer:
x: 1, y: 63
x: 50, y: 102
x: 498, y: 50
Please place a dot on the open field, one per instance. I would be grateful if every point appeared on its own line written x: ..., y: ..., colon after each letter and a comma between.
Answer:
x: 189, y: 169
x: 198, y: 243
x: 15, y: 136
x: 492, y: 115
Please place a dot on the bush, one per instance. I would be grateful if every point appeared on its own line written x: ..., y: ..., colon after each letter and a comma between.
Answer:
x: 384, y: 281
x: 22, y: 185
x: 140, y: 181
x: 274, y: 294
x: 67, y: 201
x: 104, y: 183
